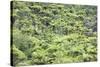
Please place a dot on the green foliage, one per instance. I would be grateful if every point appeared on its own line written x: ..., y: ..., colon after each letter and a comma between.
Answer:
x: 48, y: 33
x: 18, y: 55
x: 39, y: 57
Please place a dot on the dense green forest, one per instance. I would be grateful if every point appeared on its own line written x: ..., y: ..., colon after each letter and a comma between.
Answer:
x: 51, y: 33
